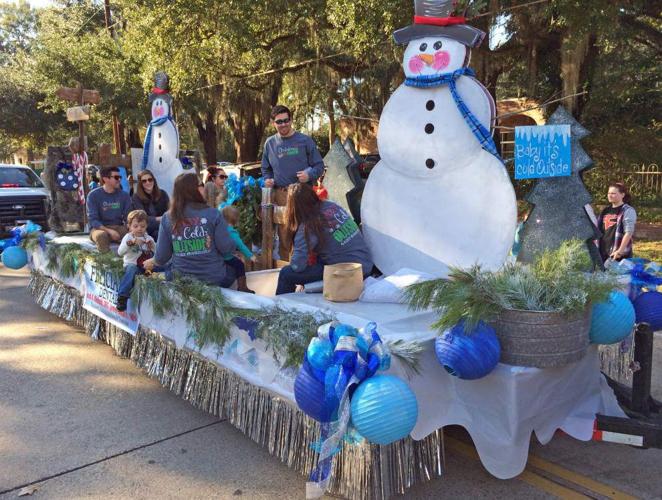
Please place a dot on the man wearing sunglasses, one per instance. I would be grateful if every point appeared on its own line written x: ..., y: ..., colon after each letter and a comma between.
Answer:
x: 107, y: 208
x: 288, y: 157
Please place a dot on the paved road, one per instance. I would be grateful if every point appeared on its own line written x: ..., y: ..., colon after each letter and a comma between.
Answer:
x: 74, y: 412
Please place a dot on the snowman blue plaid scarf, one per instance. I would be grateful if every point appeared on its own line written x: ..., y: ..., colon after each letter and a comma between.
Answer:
x: 479, y: 131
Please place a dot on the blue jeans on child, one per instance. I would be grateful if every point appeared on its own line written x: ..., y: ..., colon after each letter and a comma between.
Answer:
x: 288, y: 278
x: 130, y: 273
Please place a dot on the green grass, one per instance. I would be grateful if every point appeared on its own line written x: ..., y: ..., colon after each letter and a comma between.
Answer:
x: 651, y: 250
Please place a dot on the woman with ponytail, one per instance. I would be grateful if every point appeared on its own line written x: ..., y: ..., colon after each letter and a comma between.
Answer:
x: 616, y: 222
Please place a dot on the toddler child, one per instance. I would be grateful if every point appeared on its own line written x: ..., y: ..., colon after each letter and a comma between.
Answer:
x: 231, y: 216
x: 136, y: 247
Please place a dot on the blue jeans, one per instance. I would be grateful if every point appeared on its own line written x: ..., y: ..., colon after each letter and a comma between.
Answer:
x: 288, y: 278
x: 130, y: 273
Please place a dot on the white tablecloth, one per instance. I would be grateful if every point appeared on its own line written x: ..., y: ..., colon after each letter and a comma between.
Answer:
x: 499, y: 411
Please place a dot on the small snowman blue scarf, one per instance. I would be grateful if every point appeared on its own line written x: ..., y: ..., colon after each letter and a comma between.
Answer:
x: 479, y: 131
x: 148, y: 137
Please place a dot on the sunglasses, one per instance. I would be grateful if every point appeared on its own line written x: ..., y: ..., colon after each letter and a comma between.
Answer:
x: 116, y: 177
x: 145, y: 181
x: 282, y: 122
x: 221, y: 176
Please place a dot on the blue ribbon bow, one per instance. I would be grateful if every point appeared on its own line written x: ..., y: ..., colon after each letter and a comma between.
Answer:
x: 357, y: 355
x: 479, y: 131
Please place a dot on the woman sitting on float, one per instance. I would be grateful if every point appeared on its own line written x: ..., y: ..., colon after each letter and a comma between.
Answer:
x: 194, y: 235
x: 152, y: 200
x: 323, y: 233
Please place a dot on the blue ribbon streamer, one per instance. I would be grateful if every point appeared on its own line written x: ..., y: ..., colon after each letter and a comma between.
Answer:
x: 357, y: 356
x: 479, y: 131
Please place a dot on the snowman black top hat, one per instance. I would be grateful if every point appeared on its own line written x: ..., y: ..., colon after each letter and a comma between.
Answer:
x: 161, y: 87
x: 440, y: 17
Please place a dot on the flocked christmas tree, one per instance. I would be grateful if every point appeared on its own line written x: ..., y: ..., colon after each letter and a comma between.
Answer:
x: 561, y: 204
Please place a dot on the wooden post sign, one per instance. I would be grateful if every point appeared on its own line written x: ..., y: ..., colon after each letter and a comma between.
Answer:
x: 542, y: 151
x: 81, y: 113
x: 78, y: 114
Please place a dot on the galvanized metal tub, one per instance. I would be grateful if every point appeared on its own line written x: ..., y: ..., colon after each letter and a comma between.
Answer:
x: 542, y: 339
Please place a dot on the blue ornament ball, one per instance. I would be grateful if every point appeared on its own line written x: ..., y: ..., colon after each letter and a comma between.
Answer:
x: 384, y: 409
x: 613, y: 320
x: 309, y: 395
x: 14, y: 257
x: 468, y: 355
x: 319, y: 353
x: 648, y: 309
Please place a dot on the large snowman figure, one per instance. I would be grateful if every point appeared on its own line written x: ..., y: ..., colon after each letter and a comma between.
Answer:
x: 440, y: 194
x: 161, y: 150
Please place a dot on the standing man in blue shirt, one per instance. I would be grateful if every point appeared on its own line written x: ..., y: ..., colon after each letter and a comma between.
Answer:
x: 107, y: 208
x: 289, y: 157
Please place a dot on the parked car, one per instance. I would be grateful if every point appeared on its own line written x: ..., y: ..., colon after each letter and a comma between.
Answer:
x: 23, y: 197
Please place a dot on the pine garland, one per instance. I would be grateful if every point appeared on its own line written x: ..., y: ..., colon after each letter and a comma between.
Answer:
x: 555, y: 281
x: 68, y: 260
x: 206, y: 309
x: 249, y: 225
x: 209, y: 313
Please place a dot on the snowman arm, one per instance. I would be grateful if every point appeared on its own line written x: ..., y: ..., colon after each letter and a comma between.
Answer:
x: 478, y: 99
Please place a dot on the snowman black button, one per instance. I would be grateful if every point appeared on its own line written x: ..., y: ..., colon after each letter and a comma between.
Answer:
x: 429, y: 128
x: 429, y: 105
x: 429, y: 163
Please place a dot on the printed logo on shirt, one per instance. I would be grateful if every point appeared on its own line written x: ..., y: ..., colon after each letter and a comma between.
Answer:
x: 112, y: 205
x: 341, y: 226
x: 610, y: 220
x: 282, y: 151
x: 191, y: 237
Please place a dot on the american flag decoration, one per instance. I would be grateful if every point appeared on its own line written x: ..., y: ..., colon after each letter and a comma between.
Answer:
x: 79, y: 161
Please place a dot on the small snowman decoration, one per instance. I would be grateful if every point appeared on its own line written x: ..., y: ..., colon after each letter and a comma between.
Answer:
x: 440, y: 194
x: 161, y: 149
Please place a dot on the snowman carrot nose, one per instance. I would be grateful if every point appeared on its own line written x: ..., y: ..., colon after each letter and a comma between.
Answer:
x: 426, y: 58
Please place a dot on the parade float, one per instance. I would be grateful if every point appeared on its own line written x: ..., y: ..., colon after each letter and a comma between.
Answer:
x: 356, y: 394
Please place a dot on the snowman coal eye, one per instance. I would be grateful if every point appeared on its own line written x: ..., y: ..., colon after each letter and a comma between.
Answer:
x: 437, y: 45
x: 423, y: 47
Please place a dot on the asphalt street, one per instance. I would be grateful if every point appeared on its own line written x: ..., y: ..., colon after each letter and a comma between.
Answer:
x: 78, y: 421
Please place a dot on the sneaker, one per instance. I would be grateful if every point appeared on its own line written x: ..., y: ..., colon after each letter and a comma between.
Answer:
x: 121, y: 303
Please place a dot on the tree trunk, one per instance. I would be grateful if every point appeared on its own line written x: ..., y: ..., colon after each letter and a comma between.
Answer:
x: 574, y: 68
x: 248, y: 117
x: 133, y: 138
x: 332, y: 117
x: 208, y: 135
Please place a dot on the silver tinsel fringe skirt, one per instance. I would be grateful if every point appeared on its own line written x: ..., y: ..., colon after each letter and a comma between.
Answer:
x: 360, y: 471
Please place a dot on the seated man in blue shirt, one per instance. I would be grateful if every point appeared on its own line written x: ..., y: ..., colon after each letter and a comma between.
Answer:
x: 107, y: 208
x: 289, y: 157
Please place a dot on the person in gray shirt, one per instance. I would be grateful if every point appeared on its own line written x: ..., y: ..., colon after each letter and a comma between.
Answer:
x: 193, y: 236
x: 107, y: 208
x: 324, y: 233
x: 289, y: 157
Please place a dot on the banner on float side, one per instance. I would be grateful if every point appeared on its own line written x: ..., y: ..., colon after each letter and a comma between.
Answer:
x: 542, y: 151
x: 101, y: 288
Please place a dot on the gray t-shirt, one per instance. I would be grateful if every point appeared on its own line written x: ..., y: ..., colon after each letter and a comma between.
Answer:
x: 283, y: 157
x: 197, y: 245
x: 341, y: 241
x: 107, y: 209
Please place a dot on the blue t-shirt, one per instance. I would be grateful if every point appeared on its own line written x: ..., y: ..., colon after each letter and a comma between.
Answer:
x: 197, y: 245
x: 283, y: 157
x: 341, y: 241
x: 107, y: 209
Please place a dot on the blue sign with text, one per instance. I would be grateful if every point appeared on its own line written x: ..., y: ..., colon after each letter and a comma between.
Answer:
x: 542, y: 151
